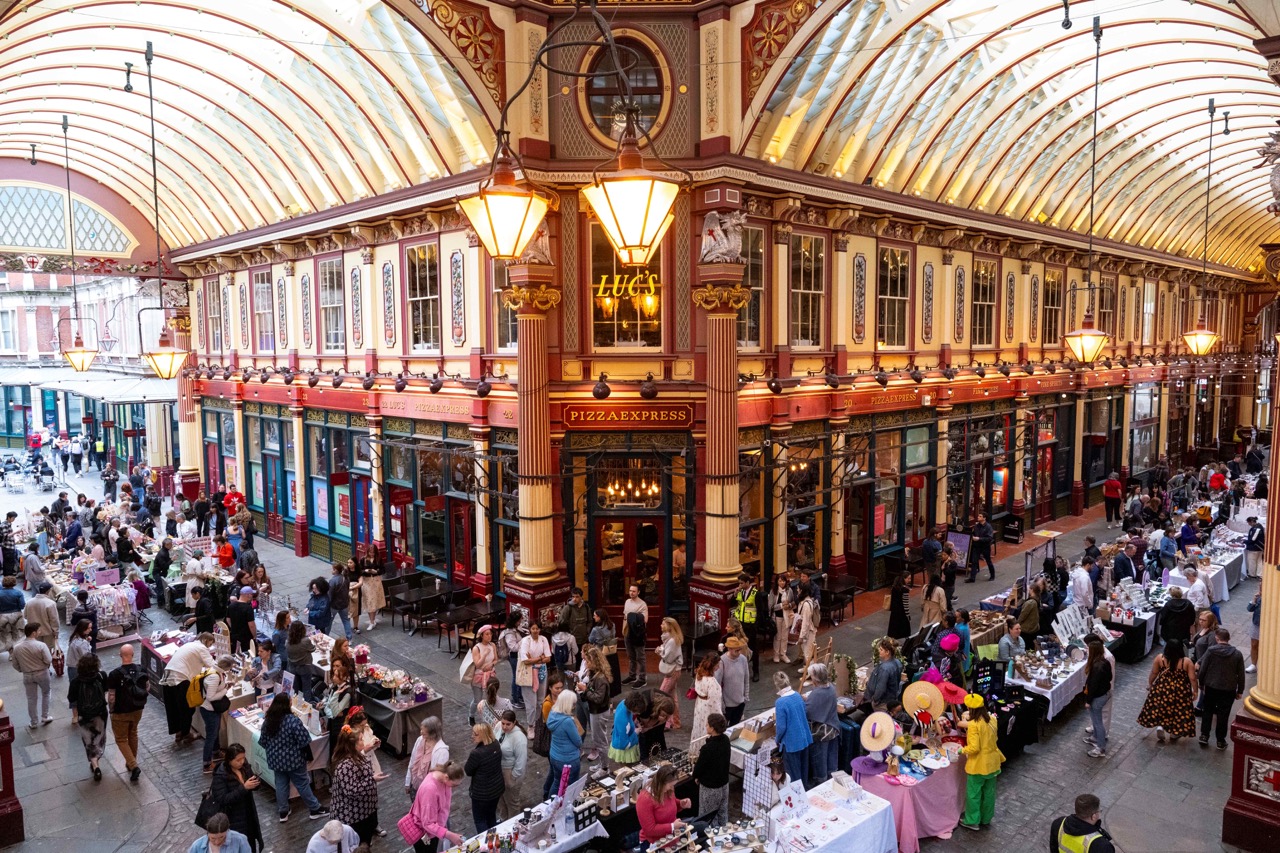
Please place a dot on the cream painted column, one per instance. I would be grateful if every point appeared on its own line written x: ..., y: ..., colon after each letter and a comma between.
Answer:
x: 480, y: 436
x: 1162, y: 438
x: 532, y: 294
x: 1126, y: 424
x: 33, y: 340
x: 293, y: 314
x: 1077, y: 457
x: 720, y: 294
x: 838, y: 428
x: 1263, y: 699
x: 190, y: 444
x: 940, y: 517
x: 377, y: 488
x: 237, y: 409
x: 301, y: 483
x: 368, y: 306
x: 1215, y: 438
x: 779, y: 477
x: 781, y: 275
x: 1193, y: 383
x: 159, y: 436
x: 1026, y: 446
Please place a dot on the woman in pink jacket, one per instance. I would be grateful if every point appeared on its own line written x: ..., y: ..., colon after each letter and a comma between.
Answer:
x: 428, y: 819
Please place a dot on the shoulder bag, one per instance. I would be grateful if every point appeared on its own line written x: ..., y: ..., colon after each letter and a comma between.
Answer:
x: 207, y: 809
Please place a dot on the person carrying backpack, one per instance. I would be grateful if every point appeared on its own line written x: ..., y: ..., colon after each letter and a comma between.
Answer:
x: 88, y: 693
x: 127, y: 695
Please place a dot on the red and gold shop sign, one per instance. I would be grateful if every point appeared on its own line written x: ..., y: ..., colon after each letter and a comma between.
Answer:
x: 627, y: 415
x: 867, y: 399
x: 425, y: 408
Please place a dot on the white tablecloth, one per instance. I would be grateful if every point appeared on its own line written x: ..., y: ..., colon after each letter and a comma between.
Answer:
x: 831, y: 825
x: 1214, y: 577
x: 1061, y: 694
x: 563, y: 845
x: 238, y: 732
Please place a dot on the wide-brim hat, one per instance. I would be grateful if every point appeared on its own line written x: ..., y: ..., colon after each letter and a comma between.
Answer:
x: 734, y: 643
x: 922, y: 696
x: 878, y: 731
x: 952, y: 694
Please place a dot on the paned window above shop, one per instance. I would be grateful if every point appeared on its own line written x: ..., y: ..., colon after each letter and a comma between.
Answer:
x: 986, y: 275
x: 893, y: 293
x: 808, y: 276
x: 333, y: 313
x: 506, y: 325
x: 751, y: 315
x: 1051, y: 316
x: 1107, y: 306
x: 8, y: 330
x: 422, y: 291
x: 626, y: 303
x: 264, y: 311
x: 213, y: 307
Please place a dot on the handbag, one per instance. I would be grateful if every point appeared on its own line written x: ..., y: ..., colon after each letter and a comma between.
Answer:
x: 59, y: 662
x: 888, y: 601
x: 207, y: 809
x: 409, y: 829
x: 691, y: 693
x: 524, y: 674
x: 541, y: 744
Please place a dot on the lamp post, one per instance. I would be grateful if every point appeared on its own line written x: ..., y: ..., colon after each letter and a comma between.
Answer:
x: 78, y: 355
x: 1201, y: 339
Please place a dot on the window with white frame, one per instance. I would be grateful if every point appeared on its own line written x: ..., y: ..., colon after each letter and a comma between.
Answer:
x: 422, y: 289
x: 333, y: 310
x: 264, y: 311
x: 893, y: 292
x: 986, y: 278
x: 626, y: 302
x: 213, y: 305
x: 1051, y: 309
x: 751, y: 315
x: 1186, y: 312
x: 506, y: 319
x: 8, y: 331
x: 1107, y: 306
x: 808, y: 274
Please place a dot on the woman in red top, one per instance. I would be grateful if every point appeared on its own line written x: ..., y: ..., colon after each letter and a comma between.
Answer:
x: 226, y: 554
x: 1112, y: 492
x: 657, y: 805
x: 1217, y: 480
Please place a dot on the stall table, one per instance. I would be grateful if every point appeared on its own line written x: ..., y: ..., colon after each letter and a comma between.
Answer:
x: 400, y: 723
x: 1139, y: 638
x: 930, y: 809
x: 575, y: 841
x: 1214, y: 577
x: 237, y: 732
x: 834, y: 823
x: 1060, y: 695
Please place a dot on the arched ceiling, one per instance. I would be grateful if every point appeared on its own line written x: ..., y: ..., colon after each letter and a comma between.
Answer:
x: 265, y: 109
x: 988, y: 105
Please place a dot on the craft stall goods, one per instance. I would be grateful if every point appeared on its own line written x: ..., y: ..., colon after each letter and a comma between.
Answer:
x: 1058, y: 678
x: 839, y: 815
x: 745, y: 836
x: 986, y: 627
x: 1130, y: 612
x: 752, y: 745
x: 244, y: 727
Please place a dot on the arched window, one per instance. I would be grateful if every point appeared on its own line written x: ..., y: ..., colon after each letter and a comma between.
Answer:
x: 605, y: 92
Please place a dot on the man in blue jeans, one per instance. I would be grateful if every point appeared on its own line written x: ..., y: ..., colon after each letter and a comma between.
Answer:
x: 340, y: 597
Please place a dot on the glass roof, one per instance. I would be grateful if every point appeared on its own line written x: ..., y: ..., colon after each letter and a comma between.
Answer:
x: 988, y: 105
x: 264, y: 110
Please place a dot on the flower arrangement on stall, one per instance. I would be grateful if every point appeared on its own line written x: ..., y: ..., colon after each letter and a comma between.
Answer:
x: 360, y: 654
x: 421, y: 692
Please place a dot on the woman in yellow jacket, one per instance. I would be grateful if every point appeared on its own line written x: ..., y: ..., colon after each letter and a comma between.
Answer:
x: 982, y: 764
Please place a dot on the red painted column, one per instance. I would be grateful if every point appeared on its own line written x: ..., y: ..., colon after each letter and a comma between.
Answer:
x: 11, y: 826
x: 720, y: 294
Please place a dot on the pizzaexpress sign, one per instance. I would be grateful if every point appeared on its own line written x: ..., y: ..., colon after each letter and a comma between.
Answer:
x: 627, y: 416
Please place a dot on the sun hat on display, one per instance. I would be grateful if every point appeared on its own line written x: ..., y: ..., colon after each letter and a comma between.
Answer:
x: 922, y: 696
x: 953, y: 694
x: 878, y: 731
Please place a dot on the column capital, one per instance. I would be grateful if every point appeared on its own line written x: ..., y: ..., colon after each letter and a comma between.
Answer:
x: 948, y: 257
x: 531, y: 286
x: 720, y: 287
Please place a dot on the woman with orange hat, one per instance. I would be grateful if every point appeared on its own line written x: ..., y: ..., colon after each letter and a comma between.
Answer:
x: 982, y: 764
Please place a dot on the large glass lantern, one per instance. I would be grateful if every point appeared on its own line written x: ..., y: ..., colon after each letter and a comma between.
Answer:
x: 504, y: 214
x: 1086, y: 342
x: 79, y: 356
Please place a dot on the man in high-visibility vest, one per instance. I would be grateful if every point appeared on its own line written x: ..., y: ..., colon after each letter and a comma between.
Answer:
x: 745, y: 607
x: 1081, y: 832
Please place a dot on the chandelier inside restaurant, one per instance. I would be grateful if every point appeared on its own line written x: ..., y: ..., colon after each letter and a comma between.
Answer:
x: 632, y: 202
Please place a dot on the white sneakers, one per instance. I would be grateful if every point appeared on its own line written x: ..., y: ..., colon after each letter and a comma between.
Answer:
x: 1250, y: 668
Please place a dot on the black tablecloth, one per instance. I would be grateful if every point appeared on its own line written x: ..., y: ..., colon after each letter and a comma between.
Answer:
x: 1138, y: 638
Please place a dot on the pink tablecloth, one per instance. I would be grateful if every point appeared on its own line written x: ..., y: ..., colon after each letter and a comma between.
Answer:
x: 932, y: 808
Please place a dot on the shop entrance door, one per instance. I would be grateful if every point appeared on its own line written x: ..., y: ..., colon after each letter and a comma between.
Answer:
x: 632, y: 551
x: 399, y: 527
x: 857, y: 540
x: 1044, y: 485
x: 361, y: 514
x: 273, y: 497
x: 212, y: 467
x: 460, y: 543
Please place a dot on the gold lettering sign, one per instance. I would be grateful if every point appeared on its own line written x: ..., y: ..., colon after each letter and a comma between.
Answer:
x: 623, y: 416
x: 640, y: 284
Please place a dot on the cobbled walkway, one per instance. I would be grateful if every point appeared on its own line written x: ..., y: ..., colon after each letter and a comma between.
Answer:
x: 1155, y: 798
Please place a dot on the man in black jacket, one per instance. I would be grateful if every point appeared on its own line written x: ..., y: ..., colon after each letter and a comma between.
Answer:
x: 1221, y: 675
x: 1177, y: 617
x: 1081, y: 831
x: 983, y: 535
x: 1253, y: 546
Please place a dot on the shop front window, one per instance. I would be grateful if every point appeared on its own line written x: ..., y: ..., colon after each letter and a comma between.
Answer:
x: 289, y: 458
x: 628, y: 483
x: 228, y: 434
x: 430, y: 473
x: 803, y: 504
x: 399, y: 463
x: 751, y: 508
x: 340, y: 451
x: 318, y: 449
x: 1142, y: 449
x: 252, y: 437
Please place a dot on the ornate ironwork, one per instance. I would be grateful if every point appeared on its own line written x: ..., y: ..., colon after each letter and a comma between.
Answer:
x: 540, y: 297
x: 711, y: 298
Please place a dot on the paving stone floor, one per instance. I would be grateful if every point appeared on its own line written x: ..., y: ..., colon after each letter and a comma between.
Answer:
x: 1156, y: 798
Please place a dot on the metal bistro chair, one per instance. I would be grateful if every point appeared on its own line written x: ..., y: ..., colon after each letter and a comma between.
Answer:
x: 394, y: 602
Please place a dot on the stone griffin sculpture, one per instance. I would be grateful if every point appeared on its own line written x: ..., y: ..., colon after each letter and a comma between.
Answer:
x: 538, y: 251
x: 1270, y: 152
x: 722, y: 237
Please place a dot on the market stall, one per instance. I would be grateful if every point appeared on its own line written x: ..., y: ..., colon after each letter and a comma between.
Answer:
x: 838, y: 815
x: 244, y: 726
x: 928, y: 807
